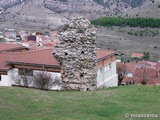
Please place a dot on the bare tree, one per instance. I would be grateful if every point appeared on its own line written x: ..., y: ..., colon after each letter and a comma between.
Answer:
x: 44, y: 80
x: 23, y: 79
x: 143, y: 73
x: 121, y: 71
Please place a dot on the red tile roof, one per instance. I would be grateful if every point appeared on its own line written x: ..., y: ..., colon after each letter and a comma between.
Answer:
x: 45, y: 57
x: 138, y: 55
x: 9, y: 47
x: 130, y: 67
x: 104, y: 54
x: 147, y: 63
x: 141, y: 68
x: 39, y: 57
x: 148, y: 72
x: 157, y: 65
x: 3, y: 57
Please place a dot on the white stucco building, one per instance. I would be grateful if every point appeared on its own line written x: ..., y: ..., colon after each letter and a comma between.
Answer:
x: 106, y: 66
x: 43, y: 60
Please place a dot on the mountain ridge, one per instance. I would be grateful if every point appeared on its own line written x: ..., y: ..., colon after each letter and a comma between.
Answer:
x: 49, y: 14
x: 28, y: 12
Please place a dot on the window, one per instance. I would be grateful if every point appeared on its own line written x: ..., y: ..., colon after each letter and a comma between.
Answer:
x: 110, y: 66
x: 129, y: 75
x: 25, y: 72
x: 0, y: 77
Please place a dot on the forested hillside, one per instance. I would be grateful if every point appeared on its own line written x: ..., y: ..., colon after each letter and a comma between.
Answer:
x: 132, y: 22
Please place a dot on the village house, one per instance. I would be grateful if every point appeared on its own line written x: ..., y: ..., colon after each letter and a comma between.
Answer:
x: 6, y: 52
x: 38, y: 41
x: 43, y: 60
x: 142, y: 71
x: 4, y: 68
x: 106, y: 66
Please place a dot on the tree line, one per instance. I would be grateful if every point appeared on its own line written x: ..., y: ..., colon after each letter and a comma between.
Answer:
x: 132, y: 22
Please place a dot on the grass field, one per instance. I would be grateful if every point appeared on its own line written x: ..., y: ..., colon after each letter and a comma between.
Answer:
x: 106, y: 104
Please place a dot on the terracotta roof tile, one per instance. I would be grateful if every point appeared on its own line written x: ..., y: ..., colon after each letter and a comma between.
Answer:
x: 150, y: 72
x: 137, y: 55
x: 157, y: 65
x: 45, y: 57
x: 131, y: 67
x: 42, y: 57
x: 104, y: 53
x: 8, y: 47
x: 3, y: 57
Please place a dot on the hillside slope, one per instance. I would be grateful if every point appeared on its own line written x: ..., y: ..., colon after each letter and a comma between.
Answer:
x: 87, y: 8
x: 9, y: 3
x: 134, y: 3
x: 48, y: 14
x: 117, y: 38
x: 110, y: 104
x: 149, y: 9
x: 31, y: 15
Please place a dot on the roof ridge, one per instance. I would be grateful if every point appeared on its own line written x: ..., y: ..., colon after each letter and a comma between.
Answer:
x: 34, y: 51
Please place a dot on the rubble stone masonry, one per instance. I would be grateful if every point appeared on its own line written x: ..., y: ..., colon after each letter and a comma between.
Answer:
x: 76, y: 54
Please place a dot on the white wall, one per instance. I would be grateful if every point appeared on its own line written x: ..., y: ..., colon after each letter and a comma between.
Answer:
x: 107, y: 78
x: 4, y: 80
x: 13, y: 75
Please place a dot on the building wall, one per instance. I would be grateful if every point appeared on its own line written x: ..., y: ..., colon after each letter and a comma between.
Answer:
x: 106, y: 76
x: 105, y: 62
x: 4, y: 80
x: 13, y: 75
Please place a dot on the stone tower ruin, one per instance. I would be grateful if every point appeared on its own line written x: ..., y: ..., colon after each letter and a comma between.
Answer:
x: 76, y: 54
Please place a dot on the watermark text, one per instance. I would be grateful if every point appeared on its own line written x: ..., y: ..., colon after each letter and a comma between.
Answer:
x: 136, y: 115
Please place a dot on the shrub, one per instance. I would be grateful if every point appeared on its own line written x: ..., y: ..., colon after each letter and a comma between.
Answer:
x: 44, y: 80
x: 23, y: 80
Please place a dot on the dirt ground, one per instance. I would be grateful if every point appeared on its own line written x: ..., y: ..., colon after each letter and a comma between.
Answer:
x: 122, y: 42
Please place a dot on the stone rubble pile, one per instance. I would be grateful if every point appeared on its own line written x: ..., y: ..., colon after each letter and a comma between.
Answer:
x: 76, y: 54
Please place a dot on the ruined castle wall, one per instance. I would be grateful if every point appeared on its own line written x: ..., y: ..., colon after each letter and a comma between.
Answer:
x: 76, y: 54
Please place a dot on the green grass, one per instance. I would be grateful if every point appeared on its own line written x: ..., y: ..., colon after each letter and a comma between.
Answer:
x: 110, y: 104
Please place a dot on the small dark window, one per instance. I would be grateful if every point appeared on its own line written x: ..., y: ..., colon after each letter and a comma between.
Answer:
x: 0, y: 77
x: 25, y: 72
